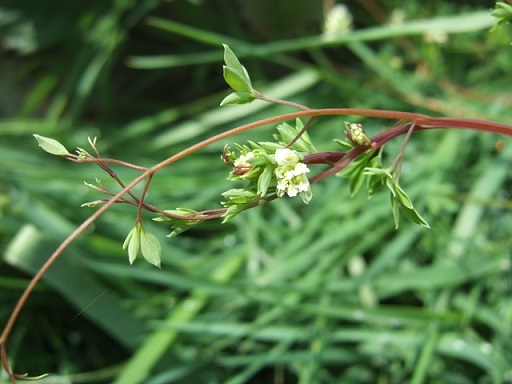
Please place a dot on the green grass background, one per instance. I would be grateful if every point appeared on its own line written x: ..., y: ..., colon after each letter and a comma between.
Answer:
x: 286, y: 293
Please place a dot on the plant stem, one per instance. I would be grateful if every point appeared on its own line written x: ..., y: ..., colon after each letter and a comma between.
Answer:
x: 421, y: 122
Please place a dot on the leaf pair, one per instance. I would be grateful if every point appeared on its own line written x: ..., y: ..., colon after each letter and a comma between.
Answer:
x: 236, y: 201
x: 355, y: 171
x: 287, y: 133
x: 400, y: 201
x: 140, y: 240
x: 238, y: 79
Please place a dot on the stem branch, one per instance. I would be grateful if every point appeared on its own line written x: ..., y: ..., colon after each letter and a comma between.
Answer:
x: 338, y: 161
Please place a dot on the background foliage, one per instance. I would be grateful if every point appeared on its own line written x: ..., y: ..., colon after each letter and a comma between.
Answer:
x: 288, y: 293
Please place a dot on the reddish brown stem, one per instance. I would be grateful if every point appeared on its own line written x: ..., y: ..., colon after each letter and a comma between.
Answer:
x: 340, y: 162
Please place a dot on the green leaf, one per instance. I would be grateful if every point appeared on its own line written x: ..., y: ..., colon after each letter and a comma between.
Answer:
x: 402, y: 197
x: 288, y: 132
x: 231, y: 212
x: 92, y: 204
x: 230, y: 58
x: 377, y: 171
x: 415, y: 217
x: 390, y: 183
x: 180, y: 226
x: 399, y: 198
x: 265, y: 179
x: 132, y: 242
x: 375, y: 184
x: 237, y: 98
x: 269, y: 146
x: 237, y: 80
x: 237, y: 201
x: 238, y: 196
x: 378, y: 177
x: 396, y: 211
x: 150, y: 248
x: 503, y: 12
x: 235, y: 73
x: 356, y: 181
x: 128, y: 238
x: 51, y: 146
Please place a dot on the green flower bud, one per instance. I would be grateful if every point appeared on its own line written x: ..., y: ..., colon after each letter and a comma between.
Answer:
x: 356, y: 135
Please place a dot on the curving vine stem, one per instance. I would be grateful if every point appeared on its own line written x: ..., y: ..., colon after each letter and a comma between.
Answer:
x: 408, y: 123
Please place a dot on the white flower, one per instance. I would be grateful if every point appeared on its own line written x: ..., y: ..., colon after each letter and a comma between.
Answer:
x: 300, y: 169
x: 291, y: 175
x: 286, y: 157
x: 302, y: 183
x: 243, y: 160
x: 286, y: 186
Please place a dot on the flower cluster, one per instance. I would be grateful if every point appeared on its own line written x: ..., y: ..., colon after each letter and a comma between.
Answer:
x: 270, y: 166
x: 269, y: 169
x: 291, y: 175
x: 242, y: 164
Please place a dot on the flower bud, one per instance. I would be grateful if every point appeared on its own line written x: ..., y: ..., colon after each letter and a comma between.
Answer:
x: 356, y: 135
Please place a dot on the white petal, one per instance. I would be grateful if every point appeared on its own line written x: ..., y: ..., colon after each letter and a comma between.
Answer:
x: 286, y: 157
x: 292, y: 191
x: 300, y: 169
x: 282, y: 184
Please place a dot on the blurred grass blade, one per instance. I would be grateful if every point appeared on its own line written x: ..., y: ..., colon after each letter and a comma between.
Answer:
x: 156, y: 344
x: 468, y: 22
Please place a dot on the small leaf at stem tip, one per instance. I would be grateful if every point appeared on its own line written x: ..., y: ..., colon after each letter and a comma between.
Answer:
x: 230, y: 59
x: 92, y: 204
x: 237, y: 80
x: 82, y: 153
x: 92, y: 186
x: 237, y: 98
x: 92, y: 142
x: 51, y: 146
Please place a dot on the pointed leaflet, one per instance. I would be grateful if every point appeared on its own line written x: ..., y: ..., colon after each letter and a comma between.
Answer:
x: 237, y: 98
x: 51, y: 146
x: 415, y: 217
x: 288, y: 132
x: 235, y: 74
x: 231, y: 60
x: 133, y: 243
x: 402, y: 197
x: 150, y: 248
x: 237, y: 80
x: 264, y: 180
